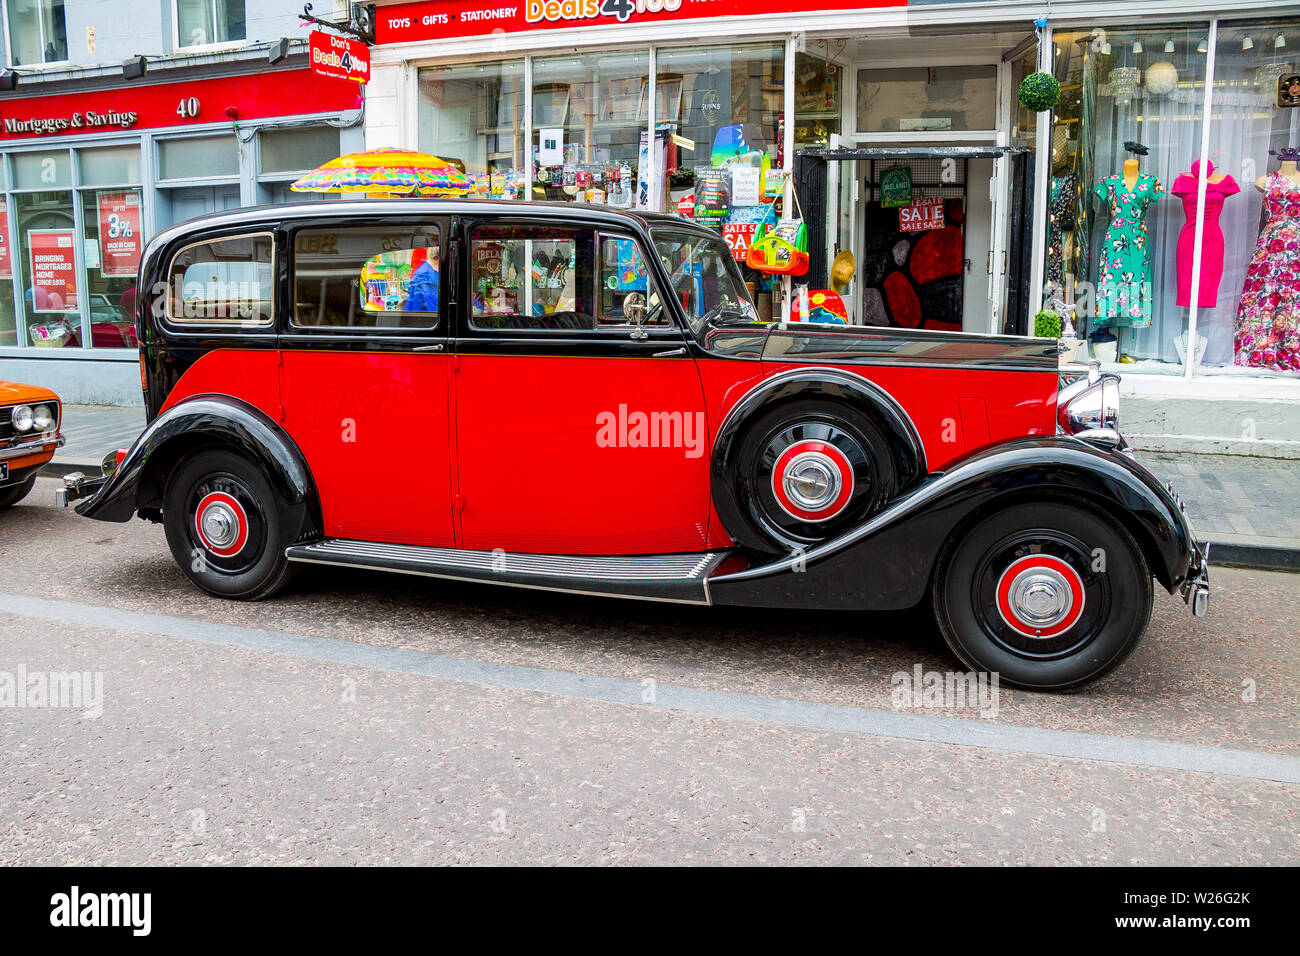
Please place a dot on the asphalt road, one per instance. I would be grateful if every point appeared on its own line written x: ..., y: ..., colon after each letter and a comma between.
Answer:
x: 364, y: 718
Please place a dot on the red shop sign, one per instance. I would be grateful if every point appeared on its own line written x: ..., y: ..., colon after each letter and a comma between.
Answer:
x: 339, y: 57
x: 437, y: 19
x: 921, y: 215
x: 54, y: 270
x: 738, y: 236
x: 152, y: 106
x: 119, y: 232
x: 6, y: 264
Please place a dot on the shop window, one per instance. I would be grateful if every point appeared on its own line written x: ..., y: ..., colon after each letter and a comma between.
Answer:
x: 367, y: 278
x: 817, y: 92
x: 1124, y: 137
x: 927, y: 99
x: 8, y: 311
x: 109, y: 165
x: 1248, y: 309
x: 38, y: 32
x: 589, y: 122
x: 298, y: 150
x: 535, y: 278
x: 472, y: 116
x: 51, y: 284
x: 42, y: 170
x: 204, y: 22
x: 222, y: 282
x: 111, y: 247
x: 198, y: 157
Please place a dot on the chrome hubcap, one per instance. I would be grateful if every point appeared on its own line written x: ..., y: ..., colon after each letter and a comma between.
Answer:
x: 812, y: 481
x: 1041, y: 597
x: 220, y: 525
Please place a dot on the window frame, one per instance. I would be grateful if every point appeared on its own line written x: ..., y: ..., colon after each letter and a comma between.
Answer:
x: 182, y: 323
x: 446, y: 301
x: 44, y: 63
x: 213, y: 46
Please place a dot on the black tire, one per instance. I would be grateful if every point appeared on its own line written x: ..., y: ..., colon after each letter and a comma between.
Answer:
x: 246, y: 568
x: 1102, y: 574
x: 863, y: 454
x: 15, y: 493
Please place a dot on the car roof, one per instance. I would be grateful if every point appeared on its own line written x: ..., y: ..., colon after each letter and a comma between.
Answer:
x: 346, y: 209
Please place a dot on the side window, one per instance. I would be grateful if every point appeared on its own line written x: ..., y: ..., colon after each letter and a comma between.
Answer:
x: 623, y: 271
x: 533, y: 277
x: 223, y: 281
x: 377, y: 278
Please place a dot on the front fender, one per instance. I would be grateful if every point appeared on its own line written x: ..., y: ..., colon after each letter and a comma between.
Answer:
x: 204, y: 421
x: 887, y: 563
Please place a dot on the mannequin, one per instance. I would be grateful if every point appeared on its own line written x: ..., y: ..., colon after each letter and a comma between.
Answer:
x: 1124, y: 295
x: 1218, y: 187
x: 1268, y: 316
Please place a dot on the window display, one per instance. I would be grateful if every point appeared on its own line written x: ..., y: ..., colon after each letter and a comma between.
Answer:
x: 1187, y: 187
x: 1268, y: 318
x: 473, y: 117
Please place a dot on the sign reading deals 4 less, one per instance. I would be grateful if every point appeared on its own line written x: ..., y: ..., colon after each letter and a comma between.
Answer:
x: 436, y: 19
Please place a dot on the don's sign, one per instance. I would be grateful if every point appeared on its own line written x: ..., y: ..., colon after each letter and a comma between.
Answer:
x: 339, y: 57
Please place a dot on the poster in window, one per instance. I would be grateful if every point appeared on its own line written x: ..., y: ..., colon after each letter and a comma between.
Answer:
x: 54, y: 270
x: 120, y: 239
x: 6, y: 268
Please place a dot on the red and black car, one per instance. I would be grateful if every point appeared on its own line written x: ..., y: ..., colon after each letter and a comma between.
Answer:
x: 570, y: 397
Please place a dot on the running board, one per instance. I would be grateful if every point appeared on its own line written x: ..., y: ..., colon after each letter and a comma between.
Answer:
x: 682, y: 578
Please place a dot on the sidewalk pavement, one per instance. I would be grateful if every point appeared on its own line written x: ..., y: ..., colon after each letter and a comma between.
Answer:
x: 1247, y: 508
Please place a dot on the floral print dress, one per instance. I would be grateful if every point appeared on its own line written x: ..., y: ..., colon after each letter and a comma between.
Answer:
x: 1268, y: 317
x: 1124, y: 291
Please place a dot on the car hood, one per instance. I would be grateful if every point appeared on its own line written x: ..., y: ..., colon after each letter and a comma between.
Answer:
x: 874, y: 345
x: 13, y: 392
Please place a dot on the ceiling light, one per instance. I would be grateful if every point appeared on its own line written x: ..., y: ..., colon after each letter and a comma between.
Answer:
x: 1279, y: 42
x: 1105, y: 48
x: 1247, y: 44
x: 1203, y: 45
x: 1137, y: 46
x: 1169, y: 46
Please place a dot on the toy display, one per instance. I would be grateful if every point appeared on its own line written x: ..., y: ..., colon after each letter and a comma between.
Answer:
x: 781, y: 249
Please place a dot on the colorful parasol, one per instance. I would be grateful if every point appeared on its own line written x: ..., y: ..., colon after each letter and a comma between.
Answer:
x: 387, y: 172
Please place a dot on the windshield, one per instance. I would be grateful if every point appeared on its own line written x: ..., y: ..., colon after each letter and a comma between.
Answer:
x: 703, y: 277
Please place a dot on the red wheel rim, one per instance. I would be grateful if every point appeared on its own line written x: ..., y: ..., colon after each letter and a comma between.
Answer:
x: 820, y: 467
x: 221, y: 524
x: 1040, y: 596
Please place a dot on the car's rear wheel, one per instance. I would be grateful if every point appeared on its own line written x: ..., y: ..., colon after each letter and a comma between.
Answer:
x: 1048, y: 595
x: 809, y: 470
x: 15, y: 493
x: 226, y: 527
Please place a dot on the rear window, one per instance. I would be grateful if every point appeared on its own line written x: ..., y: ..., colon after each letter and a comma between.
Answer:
x: 223, y: 282
x: 367, y: 277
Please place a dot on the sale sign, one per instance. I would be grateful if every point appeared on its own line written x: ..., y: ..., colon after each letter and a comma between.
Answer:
x: 339, y: 57
x: 738, y: 236
x: 921, y: 215
x: 119, y: 232
x: 6, y: 268
x: 54, y: 270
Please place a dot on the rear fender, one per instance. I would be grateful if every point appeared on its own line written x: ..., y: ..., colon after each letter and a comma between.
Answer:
x: 205, y: 421
x: 889, y: 561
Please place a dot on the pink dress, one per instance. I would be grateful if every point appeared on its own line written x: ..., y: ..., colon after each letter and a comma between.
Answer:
x: 1185, y: 188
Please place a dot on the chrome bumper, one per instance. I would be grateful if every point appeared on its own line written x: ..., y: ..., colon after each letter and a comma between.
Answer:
x: 75, y: 487
x: 1196, y: 586
x: 29, y: 447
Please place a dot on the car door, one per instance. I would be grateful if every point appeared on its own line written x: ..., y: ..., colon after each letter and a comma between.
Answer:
x: 364, y: 376
x: 578, y: 432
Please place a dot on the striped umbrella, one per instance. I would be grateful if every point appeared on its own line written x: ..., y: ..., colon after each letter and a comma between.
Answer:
x: 386, y: 172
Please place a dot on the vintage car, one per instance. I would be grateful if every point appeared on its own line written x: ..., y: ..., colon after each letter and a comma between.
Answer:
x: 29, y: 436
x: 575, y: 398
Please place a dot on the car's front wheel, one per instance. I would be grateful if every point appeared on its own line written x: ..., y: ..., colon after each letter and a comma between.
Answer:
x: 226, y: 527
x: 1048, y: 595
x: 15, y: 493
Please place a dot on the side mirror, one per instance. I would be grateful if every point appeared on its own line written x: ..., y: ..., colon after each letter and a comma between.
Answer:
x: 634, y: 312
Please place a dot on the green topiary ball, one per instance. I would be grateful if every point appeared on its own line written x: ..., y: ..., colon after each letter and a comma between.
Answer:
x: 1039, y: 92
x: 1047, y: 325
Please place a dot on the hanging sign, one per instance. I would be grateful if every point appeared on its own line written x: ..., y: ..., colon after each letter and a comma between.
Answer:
x: 6, y: 267
x: 54, y: 270
x: 921, y: 215
x: 339, y: 57
x: 120, y: 239
x: 896, y: 187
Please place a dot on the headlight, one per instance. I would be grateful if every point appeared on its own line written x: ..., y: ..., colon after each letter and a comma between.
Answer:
x: 42, y: 417
x: 1096, y: 405
x: 21, y: 417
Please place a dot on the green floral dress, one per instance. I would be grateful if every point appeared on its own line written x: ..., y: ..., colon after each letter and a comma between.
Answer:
x: 1124, y: 290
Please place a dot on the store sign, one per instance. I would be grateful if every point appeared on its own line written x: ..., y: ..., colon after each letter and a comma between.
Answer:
x: 921, y: 215
x: 54, y: 270
x: 738, y: 236
x: 438, y: 19
x: 120, y: 239
x: 154, y: 106
x: 896, y: 187
x: 6, y: 264
x: 339, y: 57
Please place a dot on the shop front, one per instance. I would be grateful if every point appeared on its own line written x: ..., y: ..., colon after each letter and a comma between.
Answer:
x: 88, y: 175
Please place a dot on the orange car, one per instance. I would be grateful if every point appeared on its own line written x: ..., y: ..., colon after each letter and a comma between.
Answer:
x: 29, y: 435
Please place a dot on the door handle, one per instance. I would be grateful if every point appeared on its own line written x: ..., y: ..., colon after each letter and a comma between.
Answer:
x: 428, y: 348
x: 680, y: 351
